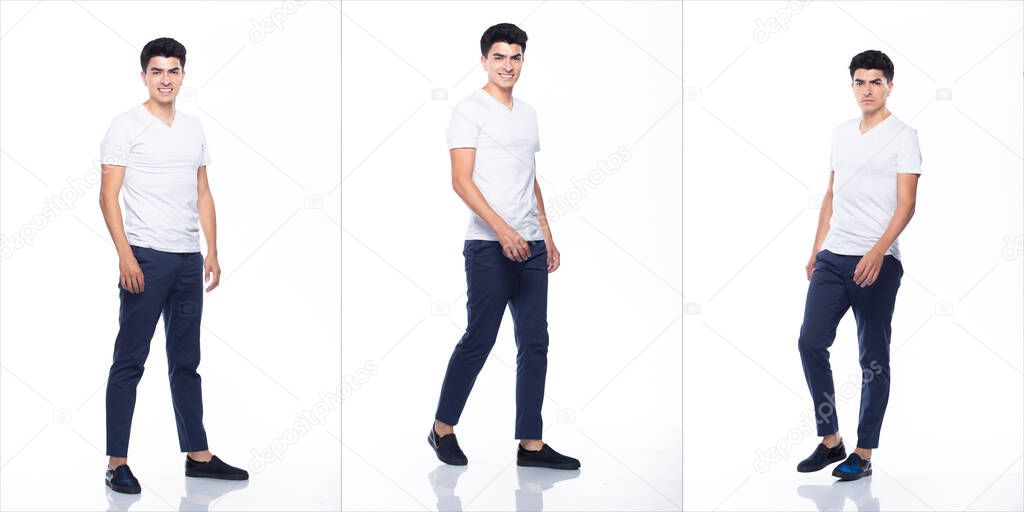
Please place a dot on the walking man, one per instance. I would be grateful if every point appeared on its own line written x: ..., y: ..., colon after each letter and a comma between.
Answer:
x: 157, y: 156
x: 855, y: 263
x: 509, y: 251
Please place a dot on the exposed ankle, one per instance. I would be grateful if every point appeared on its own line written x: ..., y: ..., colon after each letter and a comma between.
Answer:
x: 442, y: 429
x: 832, y: 441
x: 532, y: 446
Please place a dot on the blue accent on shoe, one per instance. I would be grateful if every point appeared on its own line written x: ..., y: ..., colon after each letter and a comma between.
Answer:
x: 122, y: 480
x: 853, y: 468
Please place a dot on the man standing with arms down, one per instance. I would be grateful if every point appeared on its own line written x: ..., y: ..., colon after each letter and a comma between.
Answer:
x: 855, y: 263
x: 157, y: 155
x: 509, y: 251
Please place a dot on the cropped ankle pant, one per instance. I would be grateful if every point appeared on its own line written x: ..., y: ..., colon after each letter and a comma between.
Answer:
x: 494, y: 282
x: 830, y: 294
x: 174, y: 289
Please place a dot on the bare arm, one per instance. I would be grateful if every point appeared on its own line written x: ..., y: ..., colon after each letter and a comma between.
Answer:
x: 906, y: 202
x: 870, y: 265
x: 824, y: 217
x: 554, y: 257
x: 512, y: 243
x: 111, y: 179
x: 208, y: 222
x: 544, y: 226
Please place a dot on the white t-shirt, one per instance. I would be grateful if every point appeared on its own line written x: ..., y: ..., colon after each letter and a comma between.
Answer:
x: 160, y: 187
x: 864, y: 189
x: 504, y: 169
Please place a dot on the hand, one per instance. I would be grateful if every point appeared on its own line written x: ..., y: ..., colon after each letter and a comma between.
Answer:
x: 553, y: 256
x: 513, y: 245
x: 868, y: 268
x: 211, y: 266
x: 131, y: 274
x: 810, y: 265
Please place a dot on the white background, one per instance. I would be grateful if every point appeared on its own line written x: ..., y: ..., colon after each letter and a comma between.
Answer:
x: 270, y: 107
x: 605, y: 80
x: 758, y: 120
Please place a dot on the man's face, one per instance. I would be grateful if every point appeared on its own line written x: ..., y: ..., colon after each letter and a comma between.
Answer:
x: 503, y: 63
x: 870, y: 88
x: 163, y: 77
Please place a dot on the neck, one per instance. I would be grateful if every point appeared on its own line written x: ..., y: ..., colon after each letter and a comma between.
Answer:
x: 870, y: 119
x: 501, y: 94
x: 162, y: 110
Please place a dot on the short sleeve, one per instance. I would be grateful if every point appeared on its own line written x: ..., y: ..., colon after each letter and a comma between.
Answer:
x: 908, y: 157
x: 116, y: 143
x: 462, y: 131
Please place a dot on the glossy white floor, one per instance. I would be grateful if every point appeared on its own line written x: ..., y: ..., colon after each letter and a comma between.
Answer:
x: 619, y: 472
x: 904, y: 480
x: 59, y: 465
x: 283, y: 429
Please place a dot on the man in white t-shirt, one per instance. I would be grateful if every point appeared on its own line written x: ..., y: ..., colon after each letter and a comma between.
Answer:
x: 509, y: 251
x: 156, y: 157
x: 855, y: 263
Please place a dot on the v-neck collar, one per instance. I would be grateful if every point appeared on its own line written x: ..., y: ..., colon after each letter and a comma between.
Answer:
x: 880, y: 123
x: 161, y: 121
x: 502, y: 105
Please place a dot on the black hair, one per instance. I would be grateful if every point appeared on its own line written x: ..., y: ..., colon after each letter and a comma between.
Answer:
x: 163, y: 47
x: 502, y: 33
x: 873, y: 59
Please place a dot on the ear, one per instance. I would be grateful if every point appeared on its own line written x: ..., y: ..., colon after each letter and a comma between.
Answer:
x: 483, y: 62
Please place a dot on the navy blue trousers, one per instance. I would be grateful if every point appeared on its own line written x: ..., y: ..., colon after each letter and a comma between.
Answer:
x: 174, y: 289
x: 494, y: 281
x: 830, y: 294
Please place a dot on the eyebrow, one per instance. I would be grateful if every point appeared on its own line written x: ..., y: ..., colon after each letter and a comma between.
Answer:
x: 502, y: 55
x: 873, y: 80
x: 154, y: 68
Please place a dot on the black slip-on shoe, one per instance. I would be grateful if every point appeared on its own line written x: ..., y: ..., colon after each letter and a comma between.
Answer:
x: 853, y: 468
x: 447, y: 448
x: 214, y: 468
x: 822, y: 456
x: 546, y: 457
x: 122, y: 480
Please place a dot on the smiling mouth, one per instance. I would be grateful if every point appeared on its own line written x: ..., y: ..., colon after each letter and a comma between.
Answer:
x: 165, y: 90
x: 507, y: 76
